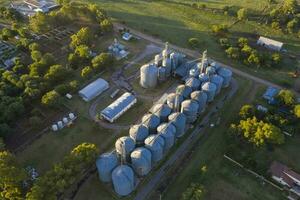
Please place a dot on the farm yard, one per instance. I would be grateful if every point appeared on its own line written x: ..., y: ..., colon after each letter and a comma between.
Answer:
x: 80, y: 75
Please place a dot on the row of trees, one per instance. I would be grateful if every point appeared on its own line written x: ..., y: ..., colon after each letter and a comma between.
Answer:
x: 10, y: 14
x: 241, y: 50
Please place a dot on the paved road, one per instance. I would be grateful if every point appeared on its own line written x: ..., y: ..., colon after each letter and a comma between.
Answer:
x: 184, y: 147
x: 196, y: 54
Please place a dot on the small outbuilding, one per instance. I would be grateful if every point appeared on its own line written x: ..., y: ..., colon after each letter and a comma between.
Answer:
x: 270, y: 94
x: 94, y: 89
x: 269, y: 43
x: 118, y: 107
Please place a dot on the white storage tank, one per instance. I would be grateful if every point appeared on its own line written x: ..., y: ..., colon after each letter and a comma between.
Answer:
x: 149, y: 75
x: 174, y: 61
x: 138, y: 133
x: 167, y: 131
x: 141, y: 159
x: 151, y: 121
x: 218, y: 81
x: 203, y: 78
x: 167, y: 64
x: 174, y: 101
x: 155, y: 143
x: 123, y: 180
x: 215, y: 65
x: 124, y: 146
x: 226, y: 74
x: 105, y: 165
x: 65, y: 120
x: 157, y: 60
x: 54, y: 127
x: 71, y: 116
x: 210, y: 70
x: 60, y: 124
x: 179, y: 121
x: 193, y: 83
x: 184, y: 90
x: 162, y: 111
x: 190, y: 109
x: 210, y: 89
x: 194, y: 72
x: 201, y: 98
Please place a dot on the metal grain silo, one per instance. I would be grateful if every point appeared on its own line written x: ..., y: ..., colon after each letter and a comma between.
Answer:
x: 167, y: 131
x: 141, y: 159
x: 148, y: 73
x: 123, y: 180
x: 210, y: 89
x: 192, y: 82
x: 167, y: 64
x: 157, y: 60
x: 174, y: 61
x: 194, y: 72
x: 190, y: 109
x: 138, y: 133
x: 155, y: 143
x: 201, y: 98
x: 203, y: 78
x: 179, y: 121
x: 174, y: 101
x: 124, y: 146
x: 151, y: 121
x: 218, y: 80
x: 210, y: 70
x: 226, y: 74
x: 105, y: 165
x: 215, y: 65
x: 162, y: 74
x: 162, y: 111
x: 184, y: 90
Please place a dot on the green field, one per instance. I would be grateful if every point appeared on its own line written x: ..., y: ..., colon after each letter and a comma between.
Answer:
x: 176, y: 22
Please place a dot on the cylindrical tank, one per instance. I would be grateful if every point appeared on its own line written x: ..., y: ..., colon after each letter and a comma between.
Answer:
x: 184, y: 90
x: 124, y: 146
x: 210, y: 89
x: 190, y: 109
x: 138, y: 133
x: 65, y: 120
x: 123, y: 180
x: 167, y: 64
x: 54, y: 127
x: 105, y: 165
x: 151, y: 121
x: 161, y: 74
x: 60, y: 124
x: 203, y: 78
x: 215, y: 65
x: 226, y: 74
x: 218, y: 80
x: 179, y: 121
x: 71, y: 116
x: 155, y: 143
x: 210, y: 70
x: 167, y: 131
x: 141, y: 161
x: 174, y: 101
x: 174, y: 61
x: 192, y: 82
x: 148, y: 75
x: 194, y: 72
x: 157, y: 60
x: 201, y: 98
x: 162, y: 111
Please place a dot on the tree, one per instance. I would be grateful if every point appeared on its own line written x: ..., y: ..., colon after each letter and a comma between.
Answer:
x: 83, y: 52
x: 194, y: 192
x: 56, y: 73
x: 276, y: 58
x: 194, y: 42
x: 219, y: 29
x: 102, y: 61
x: 106, y: 26
x: 242, y: 41
x: 254, y: 58
x: 34, y: 47
x: 4, y: 130
x: 291, y: 25
x: 247, y: 111
x: 224, y: 42
x: 36, y: 55
x: 83, y: 36
x: 40, y: 22
x: 233, y: 52
x: 51, y: 98
x: 35, y: 121
x: 86, y: 72
x: 275, y: 25
x: 242, y: 14
x: 2, y: 145
x: 297, y: 110
x: 286, y: 97
x: 12, y: 177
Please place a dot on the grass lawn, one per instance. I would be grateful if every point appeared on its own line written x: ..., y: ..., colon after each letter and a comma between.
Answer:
x: 176, y: 23
x: 222, y: 180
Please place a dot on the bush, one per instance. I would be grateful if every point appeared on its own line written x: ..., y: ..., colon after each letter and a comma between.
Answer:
x: 194, y: 42
x: 219, y: 29
x: 51, y: 99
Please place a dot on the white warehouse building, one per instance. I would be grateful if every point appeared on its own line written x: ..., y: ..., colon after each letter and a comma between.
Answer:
x: 118, y: 107
x: 93, y: 89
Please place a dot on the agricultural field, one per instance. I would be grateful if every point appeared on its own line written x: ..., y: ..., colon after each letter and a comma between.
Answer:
x: 176, y: 22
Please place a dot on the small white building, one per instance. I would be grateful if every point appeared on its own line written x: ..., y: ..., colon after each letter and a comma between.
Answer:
x: 269, y: 43
x: 94, y: 89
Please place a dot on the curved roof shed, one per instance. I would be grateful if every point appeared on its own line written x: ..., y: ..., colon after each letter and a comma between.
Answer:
x: 93, y: 89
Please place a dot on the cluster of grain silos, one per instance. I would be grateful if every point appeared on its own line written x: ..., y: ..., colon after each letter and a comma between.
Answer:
x: 163, y: 66
x: 159, y: 129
